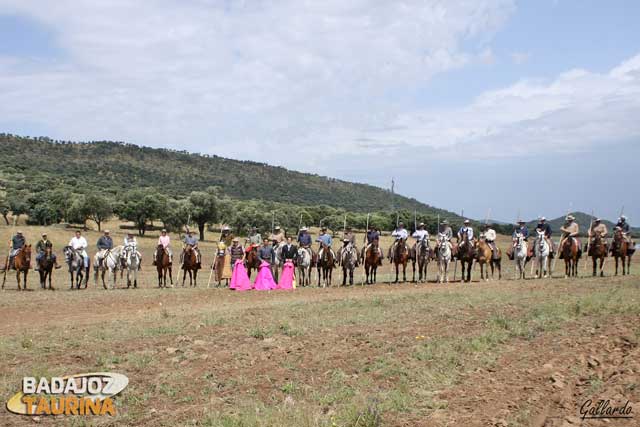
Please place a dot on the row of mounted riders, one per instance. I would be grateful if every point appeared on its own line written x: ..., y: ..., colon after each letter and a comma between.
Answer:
x: 467, y: 249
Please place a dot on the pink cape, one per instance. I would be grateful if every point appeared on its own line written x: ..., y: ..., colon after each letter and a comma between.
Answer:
x: 239, y: 278
x: 264, y: 280
x: 286, y: 278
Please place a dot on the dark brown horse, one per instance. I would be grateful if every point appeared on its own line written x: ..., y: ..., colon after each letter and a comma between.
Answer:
x: 163, y: 266
x: 190, y: 265
x: 326, y: 263
x: 620, y: 251
x: 401, y: 258
x: 571, y: 252
x: 466, y: 255
x: 45, y: 268
x: 21, y: 264
x: 371, y: 262
x: 485, y: 258
x: 598, y: 251
x: 252, y: 261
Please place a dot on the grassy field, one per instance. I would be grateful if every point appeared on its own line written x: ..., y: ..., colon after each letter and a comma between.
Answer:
x: 502, y: 353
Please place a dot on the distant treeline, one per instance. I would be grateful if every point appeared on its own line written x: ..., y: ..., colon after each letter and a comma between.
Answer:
x: 53, y: 182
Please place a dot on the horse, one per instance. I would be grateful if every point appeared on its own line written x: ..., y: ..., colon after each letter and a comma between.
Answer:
x: 132, y: 264
x: 21, y: 264
x: 484, y: 257
x: 520, y: 251
x: 75, y: 262
x: 620, y: 251
x: 163, y: 266
x: 443, y: 255
x: 189, y: 265
x: 304, y: 266
x: 371, y: 262
x: 542, y: 251
x: 326, y: 263
x: 421, y: 256
x: 277, y: 263
x: 45, y: 269
x: 598, y: 251
x: 400, y: 257
x: 348, y: 260
x: 111, y: 263
x: 571, y: 253
x: 252, y: 261
x: 466, y: 255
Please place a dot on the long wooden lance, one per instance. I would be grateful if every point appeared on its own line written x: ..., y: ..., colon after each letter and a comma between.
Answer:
x: 555, y: 258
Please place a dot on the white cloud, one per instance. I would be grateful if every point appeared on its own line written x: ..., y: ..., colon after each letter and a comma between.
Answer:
x: 520, y: 58
x: 237, y: 78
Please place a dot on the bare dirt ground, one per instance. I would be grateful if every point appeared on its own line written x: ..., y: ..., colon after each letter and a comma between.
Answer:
x: 499, y: 353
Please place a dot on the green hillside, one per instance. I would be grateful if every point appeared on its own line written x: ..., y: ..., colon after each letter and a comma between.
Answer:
x: 176, y: 173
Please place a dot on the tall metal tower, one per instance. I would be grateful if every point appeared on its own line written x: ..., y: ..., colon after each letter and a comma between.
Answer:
x: 393, y: 202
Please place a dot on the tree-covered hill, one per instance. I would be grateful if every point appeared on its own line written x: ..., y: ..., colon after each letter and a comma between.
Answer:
x: 176, y: 173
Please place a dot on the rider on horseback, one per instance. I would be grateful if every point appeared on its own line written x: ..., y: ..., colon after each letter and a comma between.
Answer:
x: 570, y: 229
x: 17, y: 243
x: 445, y: 230
x: 626, y: 230
x: 191, y: 240
x: 373, y: 238
x: 325, y: 241
x: 131, y: 243
x: 545, y: 227
x: 165, y: 241
x: 519, y: 230
x: 41, y: 250
x: 348, y: 241
x: 304, y: 238
x: 79, y: 244
x: 598, y: 229
x: 254, y: 240
x: 420, y: 235
x: 489, y: 235
x: 467, y: 230
x: 401, y: 234
x: 104, y: 245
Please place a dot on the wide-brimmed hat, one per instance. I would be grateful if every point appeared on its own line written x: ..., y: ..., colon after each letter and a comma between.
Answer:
x: 597, y: 220
x: 466, y: 221
x: 623, y: 218
x: 421, y: 224
x: 304, y: 229
x: 521, y: 221
x: 543, y: 218
x: 277, y: 227
x: 444, y: 221
x: 106, y: 231
x: 19, y: 232
x: 164, y: 230
x: 44, y: 233
x: 226, y: 228
x: 570, y: 217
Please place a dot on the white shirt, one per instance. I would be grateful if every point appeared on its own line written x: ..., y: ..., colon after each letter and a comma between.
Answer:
x: 400, y: 233
x: 130, y: 242
x: 78, y: 242
x: 468, y: 230
x: 490, y: 234
x: 421, y: 235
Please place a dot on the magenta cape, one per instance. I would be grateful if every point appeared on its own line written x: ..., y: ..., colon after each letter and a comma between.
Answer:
x: 286, y: 278
x: 239, y: 278
x: 264, y: 280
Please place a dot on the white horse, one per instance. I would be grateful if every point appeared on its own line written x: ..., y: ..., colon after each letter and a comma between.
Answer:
x: 132, y: 264
x: 111, y: 263
x: 304, y: 266
x: 443, y: 248
x: 520, y: 249
x: 542, y: 251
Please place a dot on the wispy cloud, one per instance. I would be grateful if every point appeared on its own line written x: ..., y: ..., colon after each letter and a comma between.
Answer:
x: 520, y: 58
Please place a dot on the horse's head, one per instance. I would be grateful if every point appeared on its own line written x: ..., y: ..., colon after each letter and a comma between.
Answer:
x: 26, y: 250
x: 518, y: 239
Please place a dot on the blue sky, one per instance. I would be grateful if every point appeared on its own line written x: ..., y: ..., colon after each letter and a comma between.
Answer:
x: 497, y: 105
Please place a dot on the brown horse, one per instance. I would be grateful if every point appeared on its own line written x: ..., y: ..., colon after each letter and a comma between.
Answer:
x: 571, y: 253
x: 371, y: 262
x: 45, y: 268
x: 484, y: 257
x: 421, y: 254
x: 598, y: 251
x: 620, y: 251
x: 252, y: 261
x: 21, y: 264
x: 466, y: 255
x: 190, y: 265
x: 326, y: 263
x: 163, y: 266
x: 400, y: 258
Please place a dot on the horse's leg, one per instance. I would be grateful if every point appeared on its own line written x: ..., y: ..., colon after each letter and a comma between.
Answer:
x: 404, y: 272
x: 18, y: 279
x: 184, y: 276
